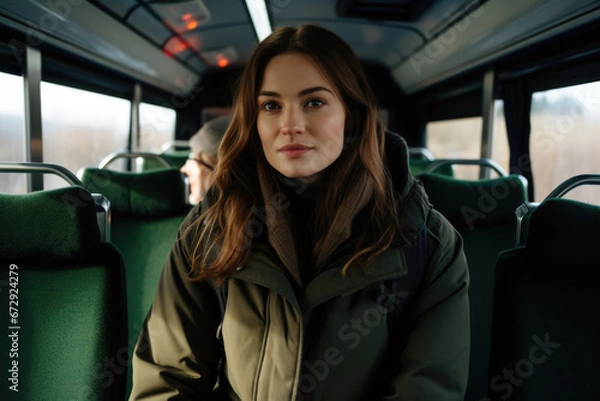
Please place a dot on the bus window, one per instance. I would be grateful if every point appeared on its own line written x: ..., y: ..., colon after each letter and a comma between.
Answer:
x: 564, y: 138
x: 157, y: 126
x: 80, y: 128
x: 12, y: 131
x: 461, y: 139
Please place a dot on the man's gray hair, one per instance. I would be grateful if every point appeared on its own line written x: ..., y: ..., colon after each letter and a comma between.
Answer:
x: 209, y: 136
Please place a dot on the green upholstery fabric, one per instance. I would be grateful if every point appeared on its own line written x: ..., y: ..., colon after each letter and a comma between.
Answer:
x: 71, y: 300
x: 176, y: 158
x: 418, y: 166
x: 475, y: 203
x: 546, y: 325
x: 55, y: 225
x: 151, y: 193
x: 143, y: 238
x: 552, y: 231
x: 483, y: 212
x: 144, y: 243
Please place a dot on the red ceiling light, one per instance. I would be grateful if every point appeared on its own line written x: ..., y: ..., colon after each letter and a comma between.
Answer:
x: 222, y: 61
x: 174, y: 46
x: 221, y: 58
x: 193, y: 24
x: 182, y: 16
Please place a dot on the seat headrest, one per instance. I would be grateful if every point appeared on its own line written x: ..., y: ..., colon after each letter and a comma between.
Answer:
x: 52, y: 225
x: 475, y: 203
x: 418, y: 166
x: 563, y: 230
x: 153, y: 193
x: 176, y: 158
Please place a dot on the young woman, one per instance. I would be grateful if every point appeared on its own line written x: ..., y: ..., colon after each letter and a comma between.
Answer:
x: 308, y: 228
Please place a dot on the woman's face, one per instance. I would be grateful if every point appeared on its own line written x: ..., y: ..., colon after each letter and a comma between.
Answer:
x: 300, y: 118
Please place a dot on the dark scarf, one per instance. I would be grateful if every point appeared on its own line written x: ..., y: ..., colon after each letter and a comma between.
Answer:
x: 281, y: 235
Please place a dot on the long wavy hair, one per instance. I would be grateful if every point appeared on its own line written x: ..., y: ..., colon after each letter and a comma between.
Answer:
x: 224, y: 232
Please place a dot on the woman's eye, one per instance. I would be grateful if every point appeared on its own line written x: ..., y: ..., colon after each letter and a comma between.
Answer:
x: 269, y: 106
x: 315, y: 103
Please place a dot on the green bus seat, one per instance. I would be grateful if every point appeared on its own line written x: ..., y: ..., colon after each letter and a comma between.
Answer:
x: 525, y: 211
x: 147, y: 210
x: 64, y: 289
x: 418, y: 167
x: 483, y: 212
x: 546, y: 306
x: 175, y: 158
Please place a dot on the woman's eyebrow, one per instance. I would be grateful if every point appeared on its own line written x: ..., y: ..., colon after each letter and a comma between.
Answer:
x: 269, y: 93
x: 314, y: 89
x: 303, y: 92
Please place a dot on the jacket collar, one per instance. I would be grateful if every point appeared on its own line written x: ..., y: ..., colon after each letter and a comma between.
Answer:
x: 412, y: 202
x: 413, y: 209
x: 280, y: 235
x: 262, y: 270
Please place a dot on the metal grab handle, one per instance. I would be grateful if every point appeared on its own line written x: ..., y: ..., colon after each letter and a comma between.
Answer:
x: 574, y: 182
x: 424, y: 152
x: 35, y: 167
x: 117, y: 155
x: 478, y: 162
x: 178, y: 143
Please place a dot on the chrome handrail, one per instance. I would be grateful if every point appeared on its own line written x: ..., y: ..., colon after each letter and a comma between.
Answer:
x: 117, y: 155
x: 478, y: 162
x: 174, y: 144
x: 420, y: 151
x: 573, y: 182
x: 36, y: 167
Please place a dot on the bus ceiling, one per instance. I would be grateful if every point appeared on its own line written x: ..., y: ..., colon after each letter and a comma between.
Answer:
x: 172, y: 44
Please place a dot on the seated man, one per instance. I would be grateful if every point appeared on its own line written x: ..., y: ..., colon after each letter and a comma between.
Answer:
x: 203, y: 157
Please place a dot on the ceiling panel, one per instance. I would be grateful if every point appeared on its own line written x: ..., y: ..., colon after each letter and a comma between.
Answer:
x: 170, y: 43
x: 119, y: 7
x: 182, y: 17
x: 398, y: 10
x: 387, y: 45
x: 487, y: 34
x: 227, y: 12
x: 98, y: 36
x: 385, y: 42
x: 142, y: 20
x: 240, y: 38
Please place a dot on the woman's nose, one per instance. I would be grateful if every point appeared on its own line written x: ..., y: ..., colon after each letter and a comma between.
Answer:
x: 292, y: 121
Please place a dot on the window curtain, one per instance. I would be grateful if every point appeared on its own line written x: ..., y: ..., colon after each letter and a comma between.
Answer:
x: 517, y: 107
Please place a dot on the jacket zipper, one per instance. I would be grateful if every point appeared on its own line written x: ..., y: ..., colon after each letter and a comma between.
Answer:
x: 300, y: 351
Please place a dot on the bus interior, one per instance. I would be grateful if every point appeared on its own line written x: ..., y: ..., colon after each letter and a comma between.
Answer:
x: 499, y: 101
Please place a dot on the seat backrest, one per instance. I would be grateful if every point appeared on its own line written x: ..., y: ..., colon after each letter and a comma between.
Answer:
x: 525, y: 211
x: 546, y: 308
x: 147, y: 210
x: 484, y: 164
x: 64, y: 291
x: 483, y: 213
x: 174, y: 157
x: 418, y: 166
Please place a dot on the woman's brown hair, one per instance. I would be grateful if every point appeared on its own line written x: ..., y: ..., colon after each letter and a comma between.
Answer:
x: 226, y: 229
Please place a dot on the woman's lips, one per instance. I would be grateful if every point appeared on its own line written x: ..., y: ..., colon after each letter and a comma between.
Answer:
x: 294, y: 150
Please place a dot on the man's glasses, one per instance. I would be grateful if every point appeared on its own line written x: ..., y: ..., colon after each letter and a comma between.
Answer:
x: 192, y: 156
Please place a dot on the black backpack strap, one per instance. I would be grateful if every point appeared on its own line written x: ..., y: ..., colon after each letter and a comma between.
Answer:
x: 400, y: 291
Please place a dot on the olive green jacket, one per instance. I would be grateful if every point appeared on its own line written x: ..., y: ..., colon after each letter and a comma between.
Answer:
x: 328, y: 341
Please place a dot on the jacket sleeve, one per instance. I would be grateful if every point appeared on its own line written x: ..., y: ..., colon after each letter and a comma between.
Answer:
x: 177, y: 353
x: 434, y: 362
